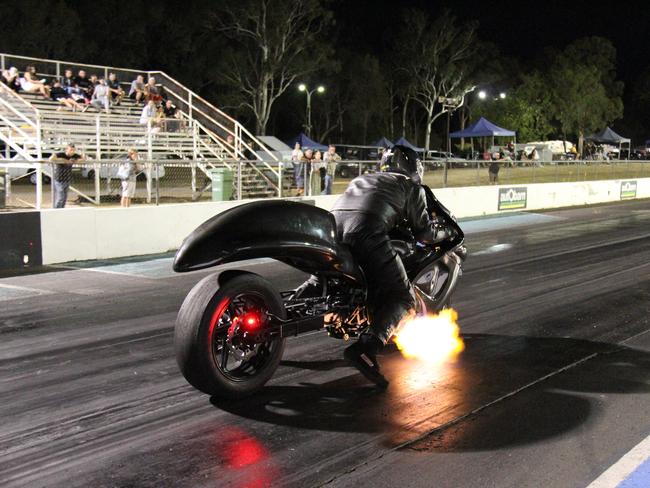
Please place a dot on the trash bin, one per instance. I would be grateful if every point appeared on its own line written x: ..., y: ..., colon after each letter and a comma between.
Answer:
x: 222, y: 180
x: 3, y: 187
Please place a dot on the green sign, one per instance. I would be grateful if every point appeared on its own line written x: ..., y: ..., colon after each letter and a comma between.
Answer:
x: 628, y: 190
x: 512, y: 198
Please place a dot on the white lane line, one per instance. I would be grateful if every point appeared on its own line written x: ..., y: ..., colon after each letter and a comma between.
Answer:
x: 624, y: 466
x: 494, y: 249
x: 100, y: 270
x: 22, y: 288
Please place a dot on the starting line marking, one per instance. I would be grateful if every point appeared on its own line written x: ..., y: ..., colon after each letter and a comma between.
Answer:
x: 631, y: 471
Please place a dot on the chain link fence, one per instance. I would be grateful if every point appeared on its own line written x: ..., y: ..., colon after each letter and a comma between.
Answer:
x: 96, y: 183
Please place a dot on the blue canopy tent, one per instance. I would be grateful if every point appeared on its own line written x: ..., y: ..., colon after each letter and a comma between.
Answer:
x: 483, y: 128
x: 306, y: 143
x: 402, y: 141
x: 383, y: 142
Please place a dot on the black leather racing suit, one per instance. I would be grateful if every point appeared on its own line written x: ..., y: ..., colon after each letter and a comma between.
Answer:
x: 371, y: 207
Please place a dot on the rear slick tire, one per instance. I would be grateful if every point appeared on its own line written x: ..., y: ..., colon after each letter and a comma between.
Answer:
x: 196, y: 336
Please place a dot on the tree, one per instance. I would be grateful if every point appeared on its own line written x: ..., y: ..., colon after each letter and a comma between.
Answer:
x: 581, y: 101
x: 598, y: 53
x: 275, y: 42
x: 526, y: 109
x: 437, y: 58
x: 368, y: 98
x: 585, y: 93
x: 40, y: 28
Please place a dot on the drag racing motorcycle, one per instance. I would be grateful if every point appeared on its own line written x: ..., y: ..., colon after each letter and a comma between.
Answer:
x: 231, y: 329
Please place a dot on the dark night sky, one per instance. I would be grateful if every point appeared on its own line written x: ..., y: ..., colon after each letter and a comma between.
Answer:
x: 521, y: 29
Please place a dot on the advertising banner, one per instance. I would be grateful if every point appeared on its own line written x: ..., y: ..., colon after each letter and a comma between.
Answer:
x: 513, y: 198
x: 628, y: 189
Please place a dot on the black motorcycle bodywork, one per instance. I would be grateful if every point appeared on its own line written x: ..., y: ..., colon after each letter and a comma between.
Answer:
x: 300, y: 235
x: 304, y: 237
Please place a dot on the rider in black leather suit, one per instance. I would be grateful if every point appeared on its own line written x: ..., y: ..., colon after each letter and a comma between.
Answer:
x: 371, y: 207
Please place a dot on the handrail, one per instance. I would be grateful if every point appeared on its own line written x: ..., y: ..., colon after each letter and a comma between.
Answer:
x: 3, y: 56
x: 15, y: 96
x: 221, y: 113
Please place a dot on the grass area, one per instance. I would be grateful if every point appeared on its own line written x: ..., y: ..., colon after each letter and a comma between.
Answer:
x: 549, y: 173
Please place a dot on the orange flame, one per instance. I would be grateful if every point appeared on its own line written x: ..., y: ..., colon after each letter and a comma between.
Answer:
x: 431, y: 338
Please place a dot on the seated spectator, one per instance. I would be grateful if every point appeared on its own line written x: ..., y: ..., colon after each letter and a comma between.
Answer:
x: 172, y: 117
x: 78, y: 95
x: 152, y: 92
x: 61, y: 95
x: 68, y: 80
x: 100, y: 96
x: 115, y: 89
x: 84, y: 84
x: 11, y: 79
x: 29, y: 83
x: 136, y: 92
x: 149, y: 116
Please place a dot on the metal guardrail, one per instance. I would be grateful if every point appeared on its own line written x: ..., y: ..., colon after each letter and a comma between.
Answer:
x: 204, y: 116
x: 94, y: 182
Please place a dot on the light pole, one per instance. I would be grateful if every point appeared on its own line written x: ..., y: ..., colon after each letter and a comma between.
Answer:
x: 303, y: 88
x: 450, y: 104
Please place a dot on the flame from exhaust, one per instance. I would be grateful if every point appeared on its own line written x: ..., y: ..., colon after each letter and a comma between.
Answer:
x: 431, y: 338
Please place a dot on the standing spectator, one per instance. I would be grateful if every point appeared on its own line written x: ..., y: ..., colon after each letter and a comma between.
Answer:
x: 84, y: 84
x: 314, y: 174
x: 100, y: 96
x: 305, y: 165
x: 331, y: 159
x: 298, y: 168
x: 136, y: 92
x: 127, y: 172
x: 29, y: 83
x: 62, y: 174
x: 116, y: 92
x: 151, y: 91
x: 493, y: 169
x: 11, y: 79
x: 61, y: 95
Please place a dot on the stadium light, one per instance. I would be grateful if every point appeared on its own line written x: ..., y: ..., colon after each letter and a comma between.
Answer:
x: 303, y: 88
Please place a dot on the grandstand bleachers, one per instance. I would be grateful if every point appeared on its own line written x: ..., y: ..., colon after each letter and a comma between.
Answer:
x: 33, y: 127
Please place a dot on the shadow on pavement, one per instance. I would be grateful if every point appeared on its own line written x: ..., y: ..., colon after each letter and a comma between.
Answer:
x: 422, y: 399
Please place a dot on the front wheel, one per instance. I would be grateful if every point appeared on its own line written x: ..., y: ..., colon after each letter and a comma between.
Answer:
x: 220, y: 341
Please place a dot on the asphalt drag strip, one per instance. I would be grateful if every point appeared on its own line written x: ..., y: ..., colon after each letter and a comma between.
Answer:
x: 551, y: 390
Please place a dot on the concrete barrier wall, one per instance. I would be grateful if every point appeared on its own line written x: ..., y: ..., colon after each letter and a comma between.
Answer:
x: 100, y: 233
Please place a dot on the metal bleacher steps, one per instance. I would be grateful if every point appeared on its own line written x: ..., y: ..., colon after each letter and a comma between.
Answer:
x: 33, y: 127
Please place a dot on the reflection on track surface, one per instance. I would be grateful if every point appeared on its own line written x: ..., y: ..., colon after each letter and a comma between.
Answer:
x: 551, y: 390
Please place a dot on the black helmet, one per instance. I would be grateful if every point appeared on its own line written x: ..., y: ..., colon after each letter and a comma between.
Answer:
x: 402, y: 159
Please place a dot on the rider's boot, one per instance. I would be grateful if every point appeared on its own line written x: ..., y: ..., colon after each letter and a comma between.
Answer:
x: 363, y: 356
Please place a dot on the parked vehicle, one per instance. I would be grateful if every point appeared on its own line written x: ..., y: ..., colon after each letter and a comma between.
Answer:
x: 231, y: 329
x: 28, y: 173
x: 436, y: 159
